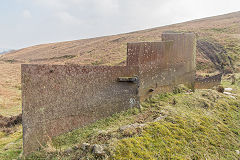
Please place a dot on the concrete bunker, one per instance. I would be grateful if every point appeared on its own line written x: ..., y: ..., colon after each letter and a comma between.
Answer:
x: 59, y: 98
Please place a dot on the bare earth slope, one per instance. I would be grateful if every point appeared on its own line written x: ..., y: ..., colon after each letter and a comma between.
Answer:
x: 218, y: 48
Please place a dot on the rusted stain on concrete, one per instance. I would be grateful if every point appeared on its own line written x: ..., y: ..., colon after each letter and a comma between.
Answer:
x: 60, y: 98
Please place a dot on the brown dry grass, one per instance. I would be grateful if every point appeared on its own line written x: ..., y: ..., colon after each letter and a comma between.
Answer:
x: 10, y: 93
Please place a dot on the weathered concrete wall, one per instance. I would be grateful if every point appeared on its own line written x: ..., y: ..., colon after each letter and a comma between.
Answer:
x: 154, y: 71
x: 208, y: 82
x: 183, y: 57
x: 58, y: 98
x: 163, y: 65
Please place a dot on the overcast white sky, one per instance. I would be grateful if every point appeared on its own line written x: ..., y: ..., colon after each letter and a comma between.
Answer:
x: 29, y: 22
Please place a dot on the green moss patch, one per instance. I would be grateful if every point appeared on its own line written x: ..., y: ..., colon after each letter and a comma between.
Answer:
x: 202, y: 125
x: 11, y: 145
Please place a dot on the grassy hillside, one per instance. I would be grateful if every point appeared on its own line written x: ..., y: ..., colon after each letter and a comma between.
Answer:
x: 200, y: 125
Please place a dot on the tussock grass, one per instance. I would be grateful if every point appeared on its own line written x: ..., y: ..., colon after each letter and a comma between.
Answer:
x: 11, y: 145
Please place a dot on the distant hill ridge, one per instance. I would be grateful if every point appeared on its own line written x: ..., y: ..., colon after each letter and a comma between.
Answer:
x: 4, y: 50
x: 215, y: 36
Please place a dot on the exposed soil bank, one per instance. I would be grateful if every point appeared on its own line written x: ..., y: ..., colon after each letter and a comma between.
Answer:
x: 6, y: 122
